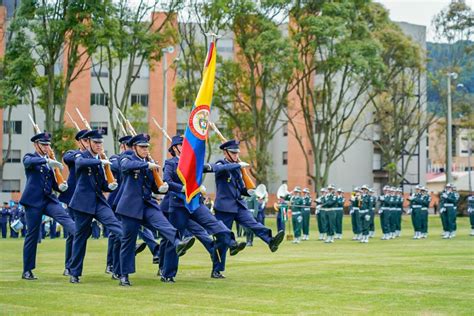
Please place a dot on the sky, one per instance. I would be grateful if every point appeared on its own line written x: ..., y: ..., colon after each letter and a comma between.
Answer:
x: 419, y: 12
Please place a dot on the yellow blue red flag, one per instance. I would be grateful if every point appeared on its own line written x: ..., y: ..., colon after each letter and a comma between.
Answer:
x: 191, y: 161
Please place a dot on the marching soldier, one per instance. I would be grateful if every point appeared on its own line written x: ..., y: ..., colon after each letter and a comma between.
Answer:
x: 443, y: 215
x: 69, y: 159
x: 321, y: 221
x: 398, y: 212
x: 364, y: 213
x: 470, y: 210
x: 355, y: 216
x: 307, y: 201
x: 88, y: 201
x: 384, y: 212
x: 329, y: 213
x: 192, y: 228
x: 180, y: 216
x: 282, y: 212
x: 136, y: 206
x: 297, y: 214
x: 229, y: 205
x: 339, y: 212
x: 38, y: 199
x: 425, y: 204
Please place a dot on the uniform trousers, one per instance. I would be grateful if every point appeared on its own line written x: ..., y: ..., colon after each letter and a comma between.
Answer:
x: 105, y: 215
x: 34, y: 217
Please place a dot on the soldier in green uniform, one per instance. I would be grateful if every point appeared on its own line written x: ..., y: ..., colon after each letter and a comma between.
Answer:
x: 415, y: 210
x: 319, y: 215
x: 306, y: 213
x: 449, y: 199
x: 329, y: 213
x: 443, y: 215
x: 398, y: 212
x: 252, y: 205
x: 364, y: 213
x: 372, y: 213
x: 470, y: 211
x: 297, y: 214
x: 281, y: 207
x: 354, y: 212
x: 458, y: 197
x: 339, y: 209
x: 426, y: 201
x: 384, y: 212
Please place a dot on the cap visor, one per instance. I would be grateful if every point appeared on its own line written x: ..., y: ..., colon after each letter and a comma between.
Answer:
x: 97, y: 140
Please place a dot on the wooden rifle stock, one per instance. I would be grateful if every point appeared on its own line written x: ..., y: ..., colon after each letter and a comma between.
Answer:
x: 57, y: 172
x: 249, y: 184
x: 156, y: 173
x: 109, y: 176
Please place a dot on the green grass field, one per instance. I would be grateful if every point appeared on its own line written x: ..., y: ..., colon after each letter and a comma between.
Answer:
x: 402, y: 276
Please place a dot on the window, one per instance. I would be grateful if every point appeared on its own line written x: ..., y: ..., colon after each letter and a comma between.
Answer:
x: 14, y: 157
x: 140, y: 99
x: 377, y: 162
x: 98, y: 71
x: 285, y: 129
x: 99, y: 99
x: 11, y: 186
x: 104, y: 126
x: 285, y: 158
x: 180, y: 128
x: 14, y: 125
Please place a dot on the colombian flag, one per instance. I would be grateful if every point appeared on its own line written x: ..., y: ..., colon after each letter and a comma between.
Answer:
x: 191, y: 160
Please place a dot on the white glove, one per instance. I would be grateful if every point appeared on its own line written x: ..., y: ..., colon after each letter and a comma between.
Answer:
x: 203, y: 189
x: 442, y: 210
x: 63, y: 187
x: 163, y: 188
x: 444, y: 195
x: 112, y: 186
x: 243, y: 164
x: 409, y: 211
x: 350, y: 212
x: 183, y: 189
x: 152, y: 165
x: 367, y: 217
x: 54, y: 164
x: 250, y: 192
x: 105, y: 162
x: 380, y: 211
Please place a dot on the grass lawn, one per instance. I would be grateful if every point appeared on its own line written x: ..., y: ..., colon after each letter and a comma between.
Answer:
x: 402, y: 276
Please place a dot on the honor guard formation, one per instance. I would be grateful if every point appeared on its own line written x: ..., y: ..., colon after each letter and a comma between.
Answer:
x: 130, y: 207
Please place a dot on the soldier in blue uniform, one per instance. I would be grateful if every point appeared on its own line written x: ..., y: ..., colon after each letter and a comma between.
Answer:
x: 136, y: 206
x: 38, y: 199
x: 180, y: 217
x: 69, y: 159
x: 88, y: 201
x: 4, y: 219
x: 229, y: 205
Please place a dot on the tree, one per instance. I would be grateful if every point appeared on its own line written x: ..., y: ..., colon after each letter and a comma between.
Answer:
x: 61, y: 33
x: 127, y: 42
x: 340, y: 68
x: 251, y: 89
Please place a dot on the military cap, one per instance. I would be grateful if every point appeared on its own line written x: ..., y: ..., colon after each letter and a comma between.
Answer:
x: 297, y: 189
x: 231, y: 145
x: 125, y: 139
x: 306, y: 190
x: 175, y: 140
x: 94, y: 135
x: 80, y: 134
x: 42, y: 138
x: 140, y: 140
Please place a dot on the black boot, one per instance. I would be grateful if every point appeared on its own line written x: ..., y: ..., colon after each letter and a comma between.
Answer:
x: 124, y: 281
x: 139, y: 248
x: 28, y: 275
x: 276, y: 241
x: 217, y: 275
x: 74, y: 279
x: 184, y: 245
x: 238, y: 247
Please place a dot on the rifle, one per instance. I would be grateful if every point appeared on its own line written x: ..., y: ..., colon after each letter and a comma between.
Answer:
x: 156, y: 174
x: 161, y: 128
x: 57, y: 172
x: 108, y: 171
x: 249, y: 184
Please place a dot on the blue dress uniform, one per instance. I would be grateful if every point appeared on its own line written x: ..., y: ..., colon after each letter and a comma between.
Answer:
x: 88, y: 202
x: 180, y: 216
x: 230, y: 206
x: 137, y: 207
x: 4, y: 219
x: 38, y: 200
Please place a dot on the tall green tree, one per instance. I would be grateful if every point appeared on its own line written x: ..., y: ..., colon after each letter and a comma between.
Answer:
x: 129, y: 41
x: 340, y: 66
